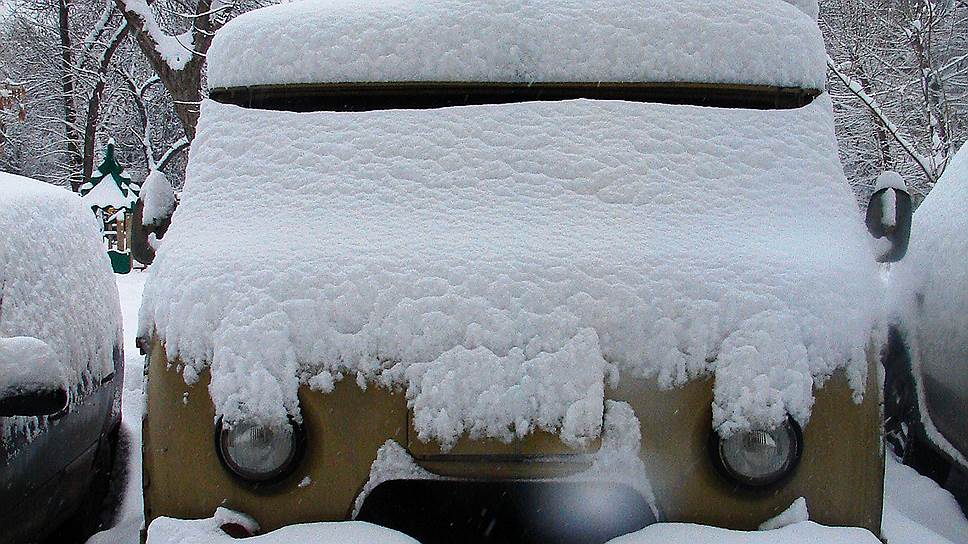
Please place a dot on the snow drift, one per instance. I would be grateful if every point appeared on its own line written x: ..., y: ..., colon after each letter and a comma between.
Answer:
x: 765, y: 42
x: 503, y: 263
x: 805, y: 532
x: 208, y: 531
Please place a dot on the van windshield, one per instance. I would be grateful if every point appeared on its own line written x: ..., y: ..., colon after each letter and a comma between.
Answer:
x: 426, y: 95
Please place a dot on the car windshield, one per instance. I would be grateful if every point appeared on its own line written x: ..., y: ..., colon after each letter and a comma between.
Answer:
x: 421, y: 95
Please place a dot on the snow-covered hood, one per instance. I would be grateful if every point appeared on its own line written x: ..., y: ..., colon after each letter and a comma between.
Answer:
x: 764, y: 42
x: 56, y: 283
x: 504, y: 262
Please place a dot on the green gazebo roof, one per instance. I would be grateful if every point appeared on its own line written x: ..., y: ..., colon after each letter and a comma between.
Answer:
x: 108, y: 186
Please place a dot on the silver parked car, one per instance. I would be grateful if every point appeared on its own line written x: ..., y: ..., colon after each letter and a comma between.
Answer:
x: 927, y: 361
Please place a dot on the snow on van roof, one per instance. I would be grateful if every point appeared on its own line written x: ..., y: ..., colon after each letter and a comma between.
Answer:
x: 764, y: 42
x: 504, y: 262
x: 56, y: 283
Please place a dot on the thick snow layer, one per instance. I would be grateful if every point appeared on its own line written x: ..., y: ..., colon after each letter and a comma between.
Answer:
x: 484, y: 393
x: 931, y: 284
x: 767, y: 42
x: 805, y: 532
x: 504, y: 262
x: 55, y: 280
x: 158, y: 197
x: 206, y: 531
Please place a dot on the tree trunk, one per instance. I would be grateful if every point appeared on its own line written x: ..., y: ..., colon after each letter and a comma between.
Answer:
x: 932, y: 90
x: 185, y: 84
x: 880, y: 130
x: 74, y: 161
x: 94, y: 103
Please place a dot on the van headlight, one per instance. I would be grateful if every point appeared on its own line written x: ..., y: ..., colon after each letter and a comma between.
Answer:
x: 259, y: 453
x: 758, y: 458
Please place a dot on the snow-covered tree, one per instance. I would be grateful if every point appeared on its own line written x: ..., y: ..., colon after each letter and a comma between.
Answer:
x: 899, y: 79
x: 65, y: 55
x: 159, y: 199
x: 86, y: 80
x: 175, y: 35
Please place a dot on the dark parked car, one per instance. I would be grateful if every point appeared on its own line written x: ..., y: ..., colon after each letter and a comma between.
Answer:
x: 60, y: 364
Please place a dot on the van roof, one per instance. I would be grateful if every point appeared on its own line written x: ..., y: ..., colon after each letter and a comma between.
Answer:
x: 745, y: 42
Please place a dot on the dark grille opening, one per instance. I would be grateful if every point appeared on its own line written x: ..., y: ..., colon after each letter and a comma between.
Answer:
x: 469, y: 512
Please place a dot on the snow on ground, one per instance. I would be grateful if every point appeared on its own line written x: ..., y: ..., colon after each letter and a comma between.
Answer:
x: 206, y: 531
x: 805, y: 532
x: 765, y: 42
x: 129, y: 516
x: 917, y: 511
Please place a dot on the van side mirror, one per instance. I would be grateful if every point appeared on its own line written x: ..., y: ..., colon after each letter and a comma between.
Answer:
x: 889, y: 217
x: 33, y: 382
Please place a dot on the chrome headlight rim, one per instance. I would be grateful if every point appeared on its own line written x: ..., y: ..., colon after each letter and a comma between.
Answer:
x: 743, y: 481
x: 252, y: 479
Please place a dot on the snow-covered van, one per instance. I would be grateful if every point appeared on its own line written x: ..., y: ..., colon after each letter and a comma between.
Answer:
x: 532, y: 270
x: 60, y: 364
